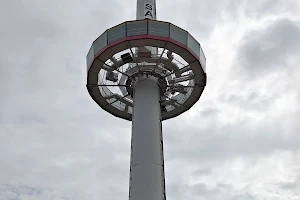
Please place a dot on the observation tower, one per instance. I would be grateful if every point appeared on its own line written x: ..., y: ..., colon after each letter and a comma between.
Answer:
x: 146, y: 71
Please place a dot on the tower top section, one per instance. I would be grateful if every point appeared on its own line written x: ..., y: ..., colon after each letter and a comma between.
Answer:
x: 120, y: 55
x: 146, y: 9
x: 146, y: 48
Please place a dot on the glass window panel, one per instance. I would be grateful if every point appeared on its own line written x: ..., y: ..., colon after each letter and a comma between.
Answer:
x: 110, y: 100
x: 181, y: 98
x: 169, y: 108
x: 194, y: 45
x: 178, y: 97
x: 202, y: 59
x: 187, y: 95
x: 116, y: 33
x: 159, y: 28
x: 130, y: 109
x: 105, y: 92
x: 178, y: 34
x: 119, y: 105
x: 100, y: 43
x: 137, y: 28
x: 90, y: 57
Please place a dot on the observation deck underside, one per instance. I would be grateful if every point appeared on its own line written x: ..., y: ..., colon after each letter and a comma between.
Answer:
x: 146, y: 48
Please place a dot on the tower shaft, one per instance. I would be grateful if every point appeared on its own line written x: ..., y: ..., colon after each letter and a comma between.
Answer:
x: 147, y: 164
x: 147, y: 179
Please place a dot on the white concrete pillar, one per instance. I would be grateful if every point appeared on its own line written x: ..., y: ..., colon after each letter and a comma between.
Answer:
x: 147, y: 168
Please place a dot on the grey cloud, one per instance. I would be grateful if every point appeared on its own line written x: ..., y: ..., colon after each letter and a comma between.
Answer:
x: 23, y: 192
x: 203, y: 17
x: 203, y: 171
x: 293, y: 185
x: 252, y: 101
x: 209, y: 112
x: 218, y: 142
x: 260, y: 9
x: 269, y: 49
x: 202, y: 191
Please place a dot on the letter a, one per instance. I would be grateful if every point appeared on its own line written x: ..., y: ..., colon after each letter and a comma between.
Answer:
x: 149, y: 13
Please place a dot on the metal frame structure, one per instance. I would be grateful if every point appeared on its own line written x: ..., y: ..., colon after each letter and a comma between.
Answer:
x: 146, y: 71
x: 130, y: 38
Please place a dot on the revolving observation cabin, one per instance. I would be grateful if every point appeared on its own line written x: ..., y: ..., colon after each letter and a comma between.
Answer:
x: 146, y: 48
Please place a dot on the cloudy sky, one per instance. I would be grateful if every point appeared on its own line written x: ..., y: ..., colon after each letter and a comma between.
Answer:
x: 241, y: 141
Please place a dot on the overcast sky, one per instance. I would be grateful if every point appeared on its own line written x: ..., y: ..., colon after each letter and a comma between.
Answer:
x: 241, y: 141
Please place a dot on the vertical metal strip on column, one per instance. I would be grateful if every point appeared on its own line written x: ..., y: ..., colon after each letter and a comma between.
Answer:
x: 163, y: 162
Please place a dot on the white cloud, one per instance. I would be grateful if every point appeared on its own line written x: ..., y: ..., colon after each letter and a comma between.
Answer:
x: 240, y: 141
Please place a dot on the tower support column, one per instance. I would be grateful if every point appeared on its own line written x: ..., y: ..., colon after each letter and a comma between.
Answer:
x: 147, y: 165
